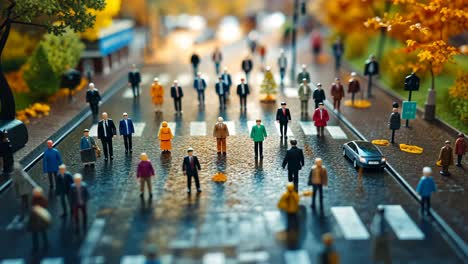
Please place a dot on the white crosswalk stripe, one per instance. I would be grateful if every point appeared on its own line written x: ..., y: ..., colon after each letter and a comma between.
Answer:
x: 289, y: 133
x: 336, y: 132
x: 350, y: 224
x: 185, y: 80
x: 198, y: 128
x: 275, y: 221
x: 128, y: 93
x: 146, y: 78
x: 296, y: 257
x: 52, y: 261
x: 231, y: 127
x: 92, y: 238
x: 214, y: 258
x: 291, y: 92
x: 172, y: 126
x: 308, y: 128
x: 93, y: 131
x: 401, y: 223
x: 253, y: 257
x: 164, y: 79
x: 12, y: 261
x: 137, y: 259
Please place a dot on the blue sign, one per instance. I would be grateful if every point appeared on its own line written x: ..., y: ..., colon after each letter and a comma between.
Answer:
x: 116, y: 41
x: 409, y: 110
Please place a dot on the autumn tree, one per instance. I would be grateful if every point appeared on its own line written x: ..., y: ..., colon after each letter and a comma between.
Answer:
x: 54, y: 16
x: 426, y: 27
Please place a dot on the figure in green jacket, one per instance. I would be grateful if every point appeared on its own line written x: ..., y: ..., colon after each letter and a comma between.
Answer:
x: 258, y: 135
x: 304, y: 95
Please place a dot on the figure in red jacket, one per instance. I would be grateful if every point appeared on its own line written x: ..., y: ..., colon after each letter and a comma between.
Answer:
x: 320, y: 118
x: 460, y: 148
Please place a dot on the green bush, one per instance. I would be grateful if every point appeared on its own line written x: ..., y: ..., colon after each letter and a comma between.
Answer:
x: 458, y: 97
x: 38, y: 74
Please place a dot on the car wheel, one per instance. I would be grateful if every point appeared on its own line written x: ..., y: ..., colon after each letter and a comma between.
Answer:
x: 355, y: 164
x: 344, y: 152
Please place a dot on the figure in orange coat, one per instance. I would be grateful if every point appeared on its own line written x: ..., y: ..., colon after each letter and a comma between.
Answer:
x: 165, y: 136
x: 157, y: 94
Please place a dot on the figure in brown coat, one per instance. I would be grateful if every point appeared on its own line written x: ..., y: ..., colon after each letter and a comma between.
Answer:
x: 446, y: 158
x: 221, y: 132
x: 318, y: 177
x: 460, y: 148
x: 353, y: 86
x: 337, y: 93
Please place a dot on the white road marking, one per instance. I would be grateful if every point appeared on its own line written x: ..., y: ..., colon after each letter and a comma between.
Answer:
x: 137, y: 259
x: 350, y: 223
x: 198, y: 128
x: 231, y: 127
x: 92, y: 238
x: 296, y: 257
x: 185, y: 80
x: 214, y: 258
x: 258, y: 78
x: 250, y: 124
x: 308, y: 128
x: 291, y: 92
x: 93, y: 130
x: 401, y: 223
x: 128, y: 93
x: 237, y: 76
x: 146, y: 78
x: 164, y: 79
x: 139, y: 127
x: 171, y: 125
x: 16, y: 223
x: 275, y: 221
x: 13, y: 261
x: 253, y: 257
x: 289, y: 133
x: 336, y: 132
x: 93, y: 260
x: 52, y: 261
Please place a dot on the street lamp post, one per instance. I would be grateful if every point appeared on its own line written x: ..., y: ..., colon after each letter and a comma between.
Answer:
x: 293, y: 40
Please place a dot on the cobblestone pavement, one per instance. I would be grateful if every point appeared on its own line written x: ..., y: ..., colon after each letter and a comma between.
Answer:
x: 234, y: 218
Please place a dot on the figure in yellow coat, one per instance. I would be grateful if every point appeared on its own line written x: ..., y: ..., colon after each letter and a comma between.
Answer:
x: 157, y: 94
x: 165, y: 136
x: 289, y: 203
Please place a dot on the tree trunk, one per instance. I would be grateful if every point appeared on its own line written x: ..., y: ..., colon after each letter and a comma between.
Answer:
x: 7, y: 101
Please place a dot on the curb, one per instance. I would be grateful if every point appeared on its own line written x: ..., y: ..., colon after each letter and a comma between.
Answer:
x: 36, y: 154
x: 452, y: 237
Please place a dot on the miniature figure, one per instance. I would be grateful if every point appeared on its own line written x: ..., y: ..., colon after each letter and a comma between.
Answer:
x: 258, y: 135
x: 460, y: 148
x: 106, y: 131
x: 195, y: 61
x: 190, y: 167
x: 318, y: 178
x: 380, y: 241
x: 295, y: 160
x: 320, y: 118
x: 328, y: 255
x: 126, y: 129
x: 304, y: 74
x: 304, y: 95
x: 157, y: 94
x: 243, y: 91
x: 63, y: 181
x: 337, y: 92
x: 446, y: 158
x: 283, y: 116
x: 6, y: 152
x: 353, y: 86
x: 39, y: 218
x: 370, y: 69
x: 177, y: 94
x: 134, y: 80
x: 221, y: 91
x: 289, y: 203
x: 93, y: 98
x: 282, y: 64
x: 227, y: 81
x: 165, y: 137
x: 318, y: 95
x: 79, y: 197
x: 247, y: 66
x: 145, y: 171
x: 21, y: 186
x: 425, y: 188
x: 88, y: 149
x: 217, y: 57
x: 50, y: 162
x: 394, y: 123
x: 221, y: 132
x: 316, y: 41
x: 200, y: 85
x: 338, y: 51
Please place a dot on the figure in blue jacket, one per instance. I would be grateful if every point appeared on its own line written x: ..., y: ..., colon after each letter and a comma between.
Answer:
x: 51, y: 162
x: 227, y: 81
x: 200, y: 85
x: 425, y: 188
x: 126, y: 129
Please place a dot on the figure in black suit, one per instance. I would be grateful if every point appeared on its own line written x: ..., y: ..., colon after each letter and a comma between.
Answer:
x: 177, y: 94
x: 106, y: 131
x: 295, y: 161
x: 93, y: 98
x: 247, y: 66
x: 370, y: 69
x: 191, y: 166
x: 221, y: 90
x: 134, y: 80
x: 126, y: 129
x: 200, y: 85
x: 283, y: 116
x: 243, y: 91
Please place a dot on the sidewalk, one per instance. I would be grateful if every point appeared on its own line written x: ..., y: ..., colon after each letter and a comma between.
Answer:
x: 372, y: 123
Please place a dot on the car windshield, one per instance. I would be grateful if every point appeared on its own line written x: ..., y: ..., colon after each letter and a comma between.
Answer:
x: 368, y: 148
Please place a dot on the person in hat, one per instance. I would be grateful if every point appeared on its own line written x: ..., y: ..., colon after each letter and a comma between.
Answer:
x: 157, y: 94
x: 50, y: 162
x: 88, y: 148
x: 243, y: 91
x: 425, y: 188
x: 283, y: 116
x: 328, y: 254
x: 337, y: 92
x: 165, y: 137
x: 318, y: 95
x: 134, y: 80
x: 304, y: 95
x: 221, y: 132
x: 79, y: 197
x: 190, y: 167
x: 320, y: 118
x: 221, y: 90
x: 63, y: 180
x: 177, y: 94
x: 460, y: 148
x: 446, y: 158
x: 394, y: 123
x: 145, y: 171
x: 126, y: 130
x: 200, y: 85
x: 353, y: 86
x: 258, y: 135
x: 304, y: 74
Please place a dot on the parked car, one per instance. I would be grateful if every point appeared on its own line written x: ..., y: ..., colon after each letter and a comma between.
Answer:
x: 364, y: 154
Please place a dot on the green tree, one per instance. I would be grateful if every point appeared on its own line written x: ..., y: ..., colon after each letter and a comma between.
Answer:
x: 55, y: 16
x: 52, y: 57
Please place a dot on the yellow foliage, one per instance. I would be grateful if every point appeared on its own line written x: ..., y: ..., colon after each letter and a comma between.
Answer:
x: 380, y: 142
x: 307, y: 193
x: 219, y: 177
x: 411, y: 149
x: 460, y: 89
x: 16, y: 82
x: 103, y: 19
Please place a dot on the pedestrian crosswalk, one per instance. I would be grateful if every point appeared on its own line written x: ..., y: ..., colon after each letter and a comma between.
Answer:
x: 297, y: 257
x: 198, y: 128
x: 401, y: 223
x: 289, y: 133
x: 231, y: 127
x: 336, y: 132
x: 139, y: 128
x: 350, y: 223
x: 308, y: 128
x: 214, y: 258
x: 185, y: 79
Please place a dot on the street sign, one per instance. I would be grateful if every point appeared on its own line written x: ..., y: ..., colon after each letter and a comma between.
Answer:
x: 409, y: 110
